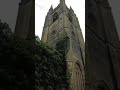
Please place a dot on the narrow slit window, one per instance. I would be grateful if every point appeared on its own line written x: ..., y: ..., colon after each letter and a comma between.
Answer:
x: 70, y: 17
x: 55, y: 17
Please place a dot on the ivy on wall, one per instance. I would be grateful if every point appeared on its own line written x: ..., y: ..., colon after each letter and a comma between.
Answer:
x: 51, y: 65
x: 62, y: 47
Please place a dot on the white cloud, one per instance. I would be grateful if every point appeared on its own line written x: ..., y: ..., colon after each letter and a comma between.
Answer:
x: 42, y: 7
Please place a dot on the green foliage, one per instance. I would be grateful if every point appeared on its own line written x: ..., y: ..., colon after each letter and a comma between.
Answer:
x: 16, y: 61
x: 62, y: 47
x: 20, y: 60
x: 50, y: 66
x: 5, y: 29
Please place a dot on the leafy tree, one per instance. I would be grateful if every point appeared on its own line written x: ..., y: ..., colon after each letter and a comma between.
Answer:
x: 20, y: 60
x: 50, y: 67
x: 16, y: 61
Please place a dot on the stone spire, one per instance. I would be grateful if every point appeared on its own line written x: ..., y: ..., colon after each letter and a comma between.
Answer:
x: 62, y: 1
x: 62, y: 4
x: 51, y: 9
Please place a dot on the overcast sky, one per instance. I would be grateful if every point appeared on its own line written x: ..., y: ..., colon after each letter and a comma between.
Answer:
x: 8, y: 11
x: 115, y: 5
x: 42, y: 7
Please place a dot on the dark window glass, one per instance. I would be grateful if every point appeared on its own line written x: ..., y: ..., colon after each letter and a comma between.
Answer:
x: 55, y: 17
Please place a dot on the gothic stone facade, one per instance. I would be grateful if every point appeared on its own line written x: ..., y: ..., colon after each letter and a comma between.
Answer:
x: 102, y: 69
x: 60, y: 22
x: 25, y: 24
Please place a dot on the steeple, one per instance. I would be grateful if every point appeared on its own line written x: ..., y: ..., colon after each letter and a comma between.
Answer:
x: 62, y: 1
x: 62, y: 4
x: 59, y: 24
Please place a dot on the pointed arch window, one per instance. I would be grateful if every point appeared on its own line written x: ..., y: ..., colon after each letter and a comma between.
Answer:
x: 69, y: 17
x: 73, y: 33
x: 55, y: 16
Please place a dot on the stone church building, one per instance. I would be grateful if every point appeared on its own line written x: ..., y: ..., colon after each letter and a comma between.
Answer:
x: 102, y: 47
x: 93, y: 64
x: 61, y: 22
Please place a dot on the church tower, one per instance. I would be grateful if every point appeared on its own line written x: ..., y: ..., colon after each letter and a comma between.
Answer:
x: 102, y: 63
x: 25, y: 24
x: 62, y: 22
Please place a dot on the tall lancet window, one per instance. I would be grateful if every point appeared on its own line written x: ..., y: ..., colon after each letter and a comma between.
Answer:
x: 55, y: 17
x: 70, y: 17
